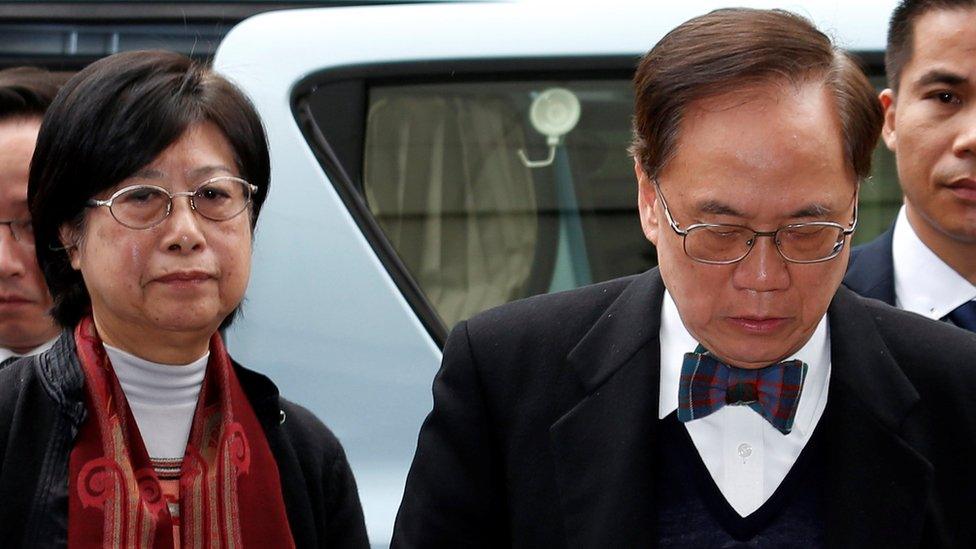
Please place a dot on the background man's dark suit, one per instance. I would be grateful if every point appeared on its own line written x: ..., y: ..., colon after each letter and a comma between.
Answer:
x: 871, y: 271
x: 546, y: 409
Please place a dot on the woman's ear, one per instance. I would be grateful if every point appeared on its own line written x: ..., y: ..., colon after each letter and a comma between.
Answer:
x: 69, y: 237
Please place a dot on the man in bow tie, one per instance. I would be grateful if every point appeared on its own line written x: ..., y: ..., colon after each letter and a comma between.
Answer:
x: 737, y: 394
x: 926, y: 263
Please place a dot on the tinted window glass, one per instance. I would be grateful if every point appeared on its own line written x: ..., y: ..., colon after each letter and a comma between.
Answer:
x: 442, y: 175
x: 475, y: 224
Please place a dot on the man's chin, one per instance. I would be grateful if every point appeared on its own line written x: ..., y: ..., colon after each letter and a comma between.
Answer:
x: 21, y: 342
x: 742, y: 355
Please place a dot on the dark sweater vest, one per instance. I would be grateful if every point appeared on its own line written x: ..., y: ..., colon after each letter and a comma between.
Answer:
x: 692, y: 512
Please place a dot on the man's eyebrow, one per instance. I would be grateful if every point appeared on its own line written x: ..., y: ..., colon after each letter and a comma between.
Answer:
x: 812, y: 210
x: 939, y: 76
x: 715, y: 207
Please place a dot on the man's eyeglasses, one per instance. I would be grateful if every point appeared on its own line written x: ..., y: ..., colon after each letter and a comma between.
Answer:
x: 21, y: 229
x: 145, y: 206
x: 722, y: 244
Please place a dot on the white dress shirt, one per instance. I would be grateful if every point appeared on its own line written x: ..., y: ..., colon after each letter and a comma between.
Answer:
x: 924, y: 284
x: 162, y: 398
x: 6, y: 353
x: 745, y: 455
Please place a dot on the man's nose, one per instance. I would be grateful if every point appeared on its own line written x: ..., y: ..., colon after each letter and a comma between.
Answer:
x: 763, y: 269
x: 965, y: 142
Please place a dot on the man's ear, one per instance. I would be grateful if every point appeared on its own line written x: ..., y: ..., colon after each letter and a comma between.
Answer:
x: 887, y: 98
x: 69, y: 237
x: 646, y: 200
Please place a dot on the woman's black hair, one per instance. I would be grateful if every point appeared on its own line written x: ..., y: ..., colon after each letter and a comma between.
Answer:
x: 109, y: 121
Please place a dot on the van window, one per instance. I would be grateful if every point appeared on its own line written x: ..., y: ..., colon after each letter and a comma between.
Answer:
x: 440, y: 171
x: 475, y: 225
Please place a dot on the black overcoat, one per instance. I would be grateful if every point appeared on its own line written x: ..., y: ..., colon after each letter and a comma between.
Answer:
x: 546, y: 410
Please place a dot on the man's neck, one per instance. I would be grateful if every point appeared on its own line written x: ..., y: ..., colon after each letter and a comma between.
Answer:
x: 957, y: 254
x: 7, y: 352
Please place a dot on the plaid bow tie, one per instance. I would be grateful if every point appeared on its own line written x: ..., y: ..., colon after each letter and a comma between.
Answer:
x: 707, y: 384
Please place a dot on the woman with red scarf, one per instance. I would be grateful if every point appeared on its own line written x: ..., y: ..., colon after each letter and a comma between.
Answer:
x: 137, y: 429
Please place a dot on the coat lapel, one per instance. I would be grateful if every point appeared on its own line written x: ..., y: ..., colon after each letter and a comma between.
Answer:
x: 604, y: 445
x: 871, y: 271
x: 878, y: 484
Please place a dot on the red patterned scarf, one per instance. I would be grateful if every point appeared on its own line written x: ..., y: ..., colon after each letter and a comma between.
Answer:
x: 229, y: 490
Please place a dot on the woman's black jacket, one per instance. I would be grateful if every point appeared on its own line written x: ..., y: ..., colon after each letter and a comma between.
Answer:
x: 42, y: 408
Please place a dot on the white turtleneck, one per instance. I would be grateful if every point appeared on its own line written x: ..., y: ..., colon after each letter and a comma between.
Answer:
x: 162, y: 398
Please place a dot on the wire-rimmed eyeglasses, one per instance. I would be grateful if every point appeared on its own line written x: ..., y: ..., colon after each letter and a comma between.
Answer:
x: 724, y: 244
x: 21, y: 229
x: 145, y: 206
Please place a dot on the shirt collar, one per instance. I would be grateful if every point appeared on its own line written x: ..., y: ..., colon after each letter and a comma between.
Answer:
x: 6, y: 353
x: 676, y: 341
x: 924, y: 284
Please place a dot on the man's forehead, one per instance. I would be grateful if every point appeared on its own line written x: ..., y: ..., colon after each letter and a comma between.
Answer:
x: 780, y: 137
x: 943, y: 34
x: 745, y: 96
x: 17, y: 139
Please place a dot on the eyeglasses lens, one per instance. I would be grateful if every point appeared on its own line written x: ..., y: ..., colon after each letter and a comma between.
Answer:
x: 803, y: 242
x: 222, y: 199
x: 22, y: 230
x: 141, y: 207
x: 810, y: 242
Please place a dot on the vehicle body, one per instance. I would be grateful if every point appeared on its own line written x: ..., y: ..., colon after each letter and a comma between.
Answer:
x: 337, y: 311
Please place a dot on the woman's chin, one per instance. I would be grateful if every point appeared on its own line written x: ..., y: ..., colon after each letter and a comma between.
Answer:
x: 186, y: 322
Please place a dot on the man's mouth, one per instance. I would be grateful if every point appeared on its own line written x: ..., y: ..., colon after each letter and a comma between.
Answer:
x: 758, y: 324
x: 14, y: 299
x: 964, y: 188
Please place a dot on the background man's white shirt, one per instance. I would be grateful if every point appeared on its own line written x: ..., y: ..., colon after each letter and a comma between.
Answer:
x: 924, y: 284
x: 745, y: 455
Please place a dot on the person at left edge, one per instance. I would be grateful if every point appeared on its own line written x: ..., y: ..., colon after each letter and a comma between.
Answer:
x: 26, y: 325
x: 737, y: 396
x: 137, y: 429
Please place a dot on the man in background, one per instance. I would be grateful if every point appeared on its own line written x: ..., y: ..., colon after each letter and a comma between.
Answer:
x: 26, y: 326
x: 927, y: 262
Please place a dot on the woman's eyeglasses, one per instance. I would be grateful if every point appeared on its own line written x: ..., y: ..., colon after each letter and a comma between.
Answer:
x: 145, y: 206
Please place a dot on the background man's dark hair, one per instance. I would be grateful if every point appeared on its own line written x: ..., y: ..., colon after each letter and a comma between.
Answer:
x: 27, y: 92
x: 901, y: 32
x: 736, y: 48
x: 112, y: 119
